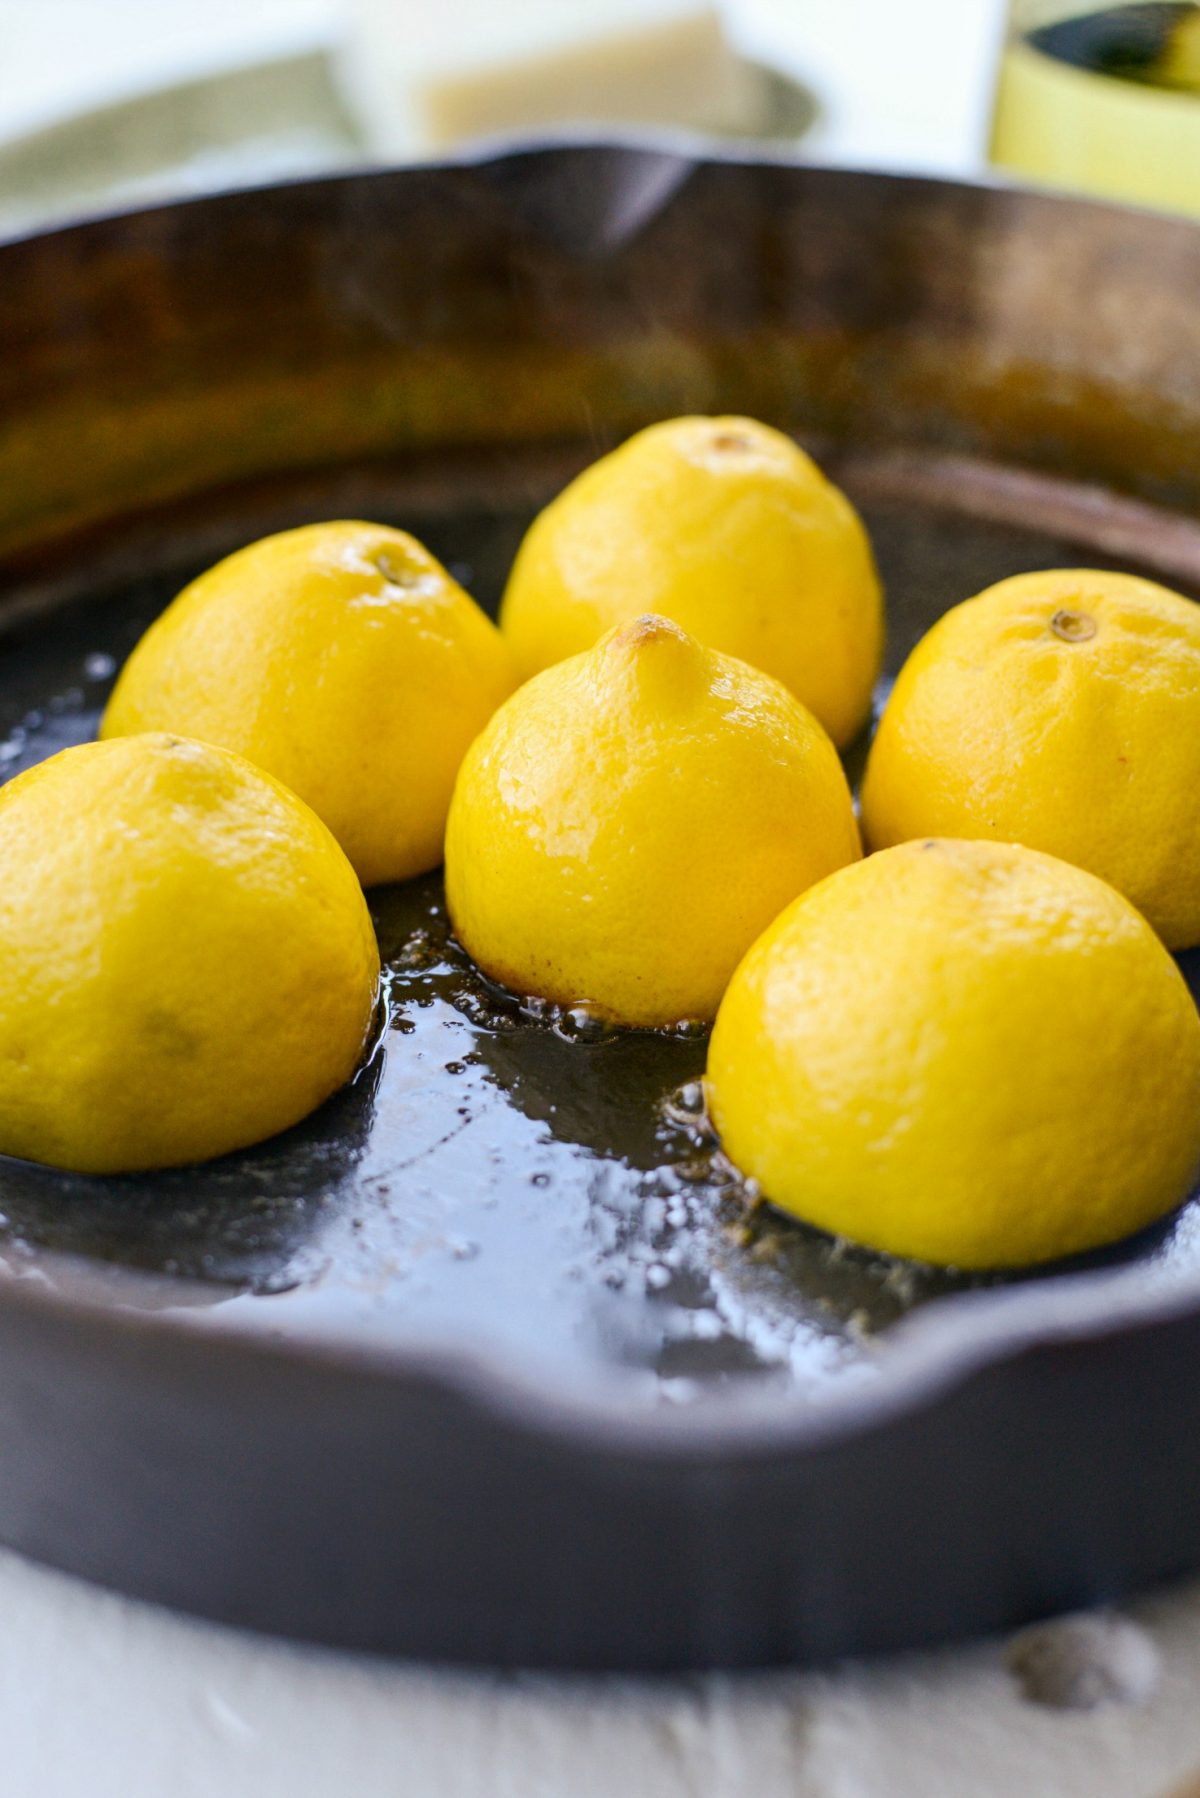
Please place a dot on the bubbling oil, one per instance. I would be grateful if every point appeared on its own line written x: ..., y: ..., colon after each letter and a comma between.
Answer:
x: 500, y: 1172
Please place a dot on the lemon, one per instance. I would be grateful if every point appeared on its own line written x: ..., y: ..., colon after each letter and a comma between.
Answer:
x: 969, y: 1053
x: 344, y: 660
x: 632, y: 818
x: 1060, y: 710
x: 189, y: 964
x: 727, y: 527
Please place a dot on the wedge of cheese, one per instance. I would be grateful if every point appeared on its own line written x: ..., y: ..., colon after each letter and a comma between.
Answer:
x: 423, y: 76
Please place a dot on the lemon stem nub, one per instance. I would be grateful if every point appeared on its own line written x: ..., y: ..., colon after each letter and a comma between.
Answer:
x: 1073, y: 627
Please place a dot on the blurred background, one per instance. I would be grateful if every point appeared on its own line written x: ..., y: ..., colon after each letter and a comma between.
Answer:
x: 113, y: 101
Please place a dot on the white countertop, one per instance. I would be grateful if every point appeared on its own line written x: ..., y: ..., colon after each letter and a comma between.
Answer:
x: 102, y: 1698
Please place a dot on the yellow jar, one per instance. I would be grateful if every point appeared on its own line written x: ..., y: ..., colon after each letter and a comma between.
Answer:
x: 1103, y: 100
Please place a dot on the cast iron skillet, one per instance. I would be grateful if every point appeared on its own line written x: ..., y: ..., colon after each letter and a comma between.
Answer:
x: 486, y: 1361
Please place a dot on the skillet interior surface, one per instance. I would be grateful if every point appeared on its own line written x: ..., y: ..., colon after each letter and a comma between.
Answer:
x: 490, y: 1173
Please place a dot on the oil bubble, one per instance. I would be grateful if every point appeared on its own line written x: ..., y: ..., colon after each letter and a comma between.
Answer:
x: 686, y: 1109
x: 419, y: 950
x: 579, y: 1024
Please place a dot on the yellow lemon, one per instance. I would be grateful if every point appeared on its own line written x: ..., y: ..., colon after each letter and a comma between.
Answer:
x: 344, y: 660
x: 970, y: 1053
x: 189, y: 964
x: 1060, y: 710
x: 632, y: 818
x: 727, y: 527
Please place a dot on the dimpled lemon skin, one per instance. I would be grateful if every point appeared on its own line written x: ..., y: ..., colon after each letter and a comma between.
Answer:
x: 967, y: 1053
x: 189, y: 965
x: 1060, y: 710
x: 344, y: 660
x: 632, y: 818
x: 727, y: 527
